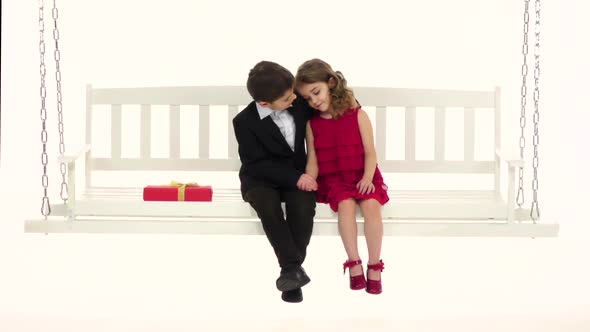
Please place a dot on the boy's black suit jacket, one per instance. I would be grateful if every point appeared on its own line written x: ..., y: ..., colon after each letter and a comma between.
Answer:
x: 267, y: 160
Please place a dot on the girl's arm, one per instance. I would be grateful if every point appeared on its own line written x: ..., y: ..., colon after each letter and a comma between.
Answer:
x: 368, y: 144
x: 312, y: 162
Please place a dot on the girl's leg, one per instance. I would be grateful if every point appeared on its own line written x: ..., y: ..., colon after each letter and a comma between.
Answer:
x: 348, y: 232
x: 371, y: 209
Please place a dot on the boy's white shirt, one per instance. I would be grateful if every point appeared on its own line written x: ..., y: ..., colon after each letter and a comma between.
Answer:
x: 283, y: 119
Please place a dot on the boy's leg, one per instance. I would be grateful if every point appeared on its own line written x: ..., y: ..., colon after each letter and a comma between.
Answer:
x: 300, y: 208
x: 267, y: 204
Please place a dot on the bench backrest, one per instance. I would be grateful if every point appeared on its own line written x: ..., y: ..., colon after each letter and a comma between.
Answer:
x: 383, y: 100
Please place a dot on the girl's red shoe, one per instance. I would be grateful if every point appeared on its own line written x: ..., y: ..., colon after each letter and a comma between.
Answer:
x: 374, y: 286
x: 356, y: 282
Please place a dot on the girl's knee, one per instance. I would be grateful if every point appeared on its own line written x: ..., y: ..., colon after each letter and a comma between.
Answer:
x: 371, y: 209
x: 347, y: 210
x: 346, y: 205
x: 373, y: 220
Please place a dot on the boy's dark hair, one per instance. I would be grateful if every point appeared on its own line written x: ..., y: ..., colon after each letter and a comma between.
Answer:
x: 268, y: 81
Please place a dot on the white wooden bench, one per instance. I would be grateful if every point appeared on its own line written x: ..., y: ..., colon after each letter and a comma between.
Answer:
x: 419, y: 212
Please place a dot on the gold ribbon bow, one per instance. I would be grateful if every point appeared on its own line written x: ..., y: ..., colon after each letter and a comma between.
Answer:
x: 182, y: 188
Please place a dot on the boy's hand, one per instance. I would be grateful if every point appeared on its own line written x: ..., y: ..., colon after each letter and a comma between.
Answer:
x: 365, y: 186
x: 307, y: 183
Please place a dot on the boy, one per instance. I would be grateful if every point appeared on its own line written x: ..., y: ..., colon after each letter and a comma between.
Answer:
x: 270, y: 132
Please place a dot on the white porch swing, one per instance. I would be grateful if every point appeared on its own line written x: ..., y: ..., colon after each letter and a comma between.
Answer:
x: 410, y: 212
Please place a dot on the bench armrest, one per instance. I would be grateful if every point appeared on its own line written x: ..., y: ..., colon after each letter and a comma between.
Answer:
x: 71, y: 158
x: 513, y: 161
x: 70, y: 162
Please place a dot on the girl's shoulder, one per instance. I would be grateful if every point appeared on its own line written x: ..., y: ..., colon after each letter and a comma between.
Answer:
x: 352, y: 111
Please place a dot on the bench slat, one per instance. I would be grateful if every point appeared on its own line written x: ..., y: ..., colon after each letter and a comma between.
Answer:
x: 174, y: 133
x: 136, y: 193
x: 380, y: 126
x: 204, y: 131
x: 469, y: 133
x: 439, y: 133
x: 238, y: 95
x: 253, y: 227
x: 116, y: 132
x: 466, y: 208
x: 410, y: 139
x: 146, y: 131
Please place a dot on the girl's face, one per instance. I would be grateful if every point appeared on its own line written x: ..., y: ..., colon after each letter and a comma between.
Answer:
x: 316, y: 94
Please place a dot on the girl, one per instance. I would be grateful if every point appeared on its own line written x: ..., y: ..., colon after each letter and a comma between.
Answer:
x: 342, y: 157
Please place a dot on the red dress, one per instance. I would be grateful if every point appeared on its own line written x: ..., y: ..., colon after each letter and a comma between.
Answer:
x: 341, y: 160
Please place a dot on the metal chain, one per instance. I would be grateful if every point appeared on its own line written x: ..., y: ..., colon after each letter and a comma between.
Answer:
x: 537, y: 72
x: 62, y: 149
x: 45, y: 207
x: 523, y: 95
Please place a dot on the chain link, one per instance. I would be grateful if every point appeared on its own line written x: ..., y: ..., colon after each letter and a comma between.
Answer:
x: 45, y: 207
x: 535, y: 214
x: 62, y: 149
x: 523, y: 94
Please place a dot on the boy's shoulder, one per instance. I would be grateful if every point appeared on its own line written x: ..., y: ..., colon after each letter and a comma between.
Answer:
x: 246, y: 113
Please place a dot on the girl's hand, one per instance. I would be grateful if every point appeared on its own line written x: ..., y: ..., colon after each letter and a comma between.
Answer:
x: 307, y: 183
x: 365, y: 186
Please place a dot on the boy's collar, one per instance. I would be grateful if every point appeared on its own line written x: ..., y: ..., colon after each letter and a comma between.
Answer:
x: 263, y: 112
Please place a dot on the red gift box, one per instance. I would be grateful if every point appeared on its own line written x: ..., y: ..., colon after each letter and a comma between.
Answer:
x: 178, y: 192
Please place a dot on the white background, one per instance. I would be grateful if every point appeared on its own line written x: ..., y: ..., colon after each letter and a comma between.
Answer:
x: 206, y: 283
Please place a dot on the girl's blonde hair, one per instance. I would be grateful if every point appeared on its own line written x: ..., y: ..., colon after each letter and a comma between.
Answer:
x: 316, y: 70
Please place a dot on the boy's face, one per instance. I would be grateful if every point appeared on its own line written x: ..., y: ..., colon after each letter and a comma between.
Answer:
x: 282, y: 103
